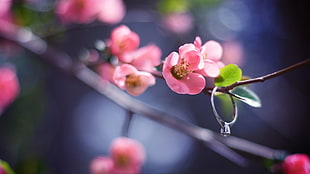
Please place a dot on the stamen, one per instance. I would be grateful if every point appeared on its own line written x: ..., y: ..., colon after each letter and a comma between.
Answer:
x: 179, y: 71
x: 132, y: 81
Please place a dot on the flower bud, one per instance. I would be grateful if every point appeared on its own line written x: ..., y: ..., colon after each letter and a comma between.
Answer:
x: 128, y: 155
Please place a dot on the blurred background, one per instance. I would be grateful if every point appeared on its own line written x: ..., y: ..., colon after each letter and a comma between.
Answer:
x: 58, y: 125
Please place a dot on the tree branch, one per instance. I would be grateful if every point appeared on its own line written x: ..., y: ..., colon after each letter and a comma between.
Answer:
x: 268, y: 76
x: 214, y: 141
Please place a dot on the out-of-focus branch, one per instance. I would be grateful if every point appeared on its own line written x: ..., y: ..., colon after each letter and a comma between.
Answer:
x: 214, y: 141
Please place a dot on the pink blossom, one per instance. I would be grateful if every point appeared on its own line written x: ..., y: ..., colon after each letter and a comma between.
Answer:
x: 145, y: 58
x: 178, y: 22
x: 233, y: 53
x: 123, y: 40
x: 101, y: 165
x: 79, y: 11
x: 128, y: 156
x: 211, y: 53
x: 111, y: 11
x: 179, y: 71
x: 9, y: 87
x: 133, y: 81
x: 296, y: 164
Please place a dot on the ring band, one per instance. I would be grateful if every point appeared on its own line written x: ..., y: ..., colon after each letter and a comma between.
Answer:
x: 225, y: 126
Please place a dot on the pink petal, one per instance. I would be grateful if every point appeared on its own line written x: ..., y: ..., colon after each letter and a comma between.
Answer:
x: 174, y: 84
x: 101, y: 165
x: 194, y: 82
x: 191, y: 55
x: 197, y: 42
x: 211, y: 68
x: 171, y: 60
x: 186, y: 48
x: 194, y: 60
x: 106, y: 71
x: 212, y: 50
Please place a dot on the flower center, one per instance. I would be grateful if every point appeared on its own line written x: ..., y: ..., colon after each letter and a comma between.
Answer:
x: 132, y: 81
x: 122, y: 160
x: 180, y: 70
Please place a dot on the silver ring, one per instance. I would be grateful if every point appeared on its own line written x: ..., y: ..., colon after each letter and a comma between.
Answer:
x: 225, y: 126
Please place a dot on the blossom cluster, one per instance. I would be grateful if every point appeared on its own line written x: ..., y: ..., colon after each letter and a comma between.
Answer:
x: 186, y: 70
x: 85, y: 11
x: 126, y: 157
x: 9, y: 87
x: 134, y: 66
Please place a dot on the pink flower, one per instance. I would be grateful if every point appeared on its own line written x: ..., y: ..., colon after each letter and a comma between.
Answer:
x: 145, y: 58
x: 179, y: 71
x: 233, y: 53
x: 178, y: 22
x: 133, y: 81
x: 123, y: 40
x: 101, y: 165
x: 111, y: 11
x: 128, y: 155
x: 296, y: 164
x: 79, y: 11
x: 211, y: 53
x: 9, y: 87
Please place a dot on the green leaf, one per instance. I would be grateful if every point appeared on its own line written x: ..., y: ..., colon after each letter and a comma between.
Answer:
x: 229, y: 74
x: 247, y: 96
x: 6, y: 167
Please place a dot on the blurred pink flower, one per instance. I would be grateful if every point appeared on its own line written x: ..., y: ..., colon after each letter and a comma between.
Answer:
x: 296, y: 164
x: 123, y: 40
x: 179, y: 71
x: 111, y: 11
x: 101, y: 165
x: 9, y: 87
x: 133, y: 81
x: 145, y: 58
x: 211, y: 53
x: 6, y: 21
x: 178, y: 22
x: 128, y: 156
x: 78, y: 11
x: 233, y: 53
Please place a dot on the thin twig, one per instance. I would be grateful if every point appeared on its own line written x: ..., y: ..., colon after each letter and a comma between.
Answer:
x: 126, y: 123
x: 268, y: 76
